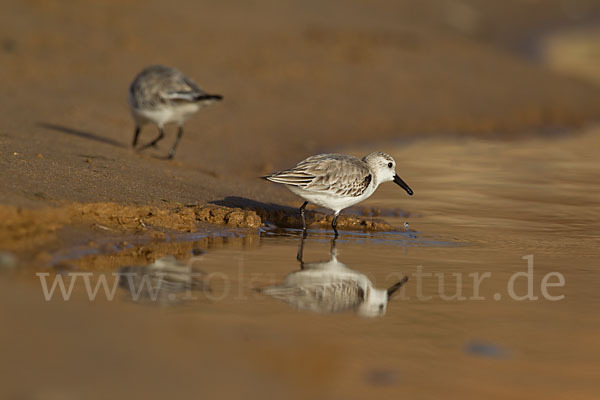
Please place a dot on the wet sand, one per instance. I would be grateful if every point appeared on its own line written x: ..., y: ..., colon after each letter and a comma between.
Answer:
x: 495, y: 134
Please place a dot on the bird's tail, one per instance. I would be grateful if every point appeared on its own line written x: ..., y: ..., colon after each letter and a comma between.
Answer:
x: 208, y: 97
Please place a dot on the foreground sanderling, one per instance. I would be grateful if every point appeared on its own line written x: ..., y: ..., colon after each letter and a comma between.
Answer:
x: 331, y: 287
x: 162, y: 95
x: 337, y: 181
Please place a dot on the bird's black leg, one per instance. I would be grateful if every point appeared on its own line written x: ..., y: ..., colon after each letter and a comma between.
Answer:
x: 303, y: 219
x: 300, y: 254
x: 160, y: 136
x: 334, y: 223
x: 135, y: 136
x: 179, y: 135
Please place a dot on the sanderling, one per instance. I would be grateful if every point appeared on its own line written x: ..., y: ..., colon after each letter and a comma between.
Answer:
x: 330, y: 286
x: 337, y: 181
x: 166, y: 281
x: 162, y: 95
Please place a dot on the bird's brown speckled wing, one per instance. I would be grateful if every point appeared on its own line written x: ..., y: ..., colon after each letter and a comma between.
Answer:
x: 336, y: 174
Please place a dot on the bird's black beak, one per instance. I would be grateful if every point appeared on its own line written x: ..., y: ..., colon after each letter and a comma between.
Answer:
x: 396, y: 286
x: 398, y: 181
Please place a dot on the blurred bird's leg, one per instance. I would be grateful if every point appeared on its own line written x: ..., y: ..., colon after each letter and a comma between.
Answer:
x: 160, y: 136
x: 174, y: 148
x: 135, y: 135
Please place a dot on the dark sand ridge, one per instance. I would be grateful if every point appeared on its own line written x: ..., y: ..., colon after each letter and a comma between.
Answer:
x: 298, y: 78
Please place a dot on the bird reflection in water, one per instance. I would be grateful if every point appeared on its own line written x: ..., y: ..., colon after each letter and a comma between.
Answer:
x: 331, y: 287
x: 165, y: 282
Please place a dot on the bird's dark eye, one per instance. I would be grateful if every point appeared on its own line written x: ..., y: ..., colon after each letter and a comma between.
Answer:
x: 390, y: 165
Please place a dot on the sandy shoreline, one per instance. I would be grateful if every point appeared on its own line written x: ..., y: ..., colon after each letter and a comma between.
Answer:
x: 323, y: 80
x: 36, y: 235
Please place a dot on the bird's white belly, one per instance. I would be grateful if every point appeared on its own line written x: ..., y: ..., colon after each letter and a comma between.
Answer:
x: 184, y: 111
x: 332, y: 202
x: 165, y: 115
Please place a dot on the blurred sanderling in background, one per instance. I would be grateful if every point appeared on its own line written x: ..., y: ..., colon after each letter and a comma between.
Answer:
x: 162, y: 95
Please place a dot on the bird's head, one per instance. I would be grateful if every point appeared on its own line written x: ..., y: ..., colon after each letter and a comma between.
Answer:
x: 383, y: 167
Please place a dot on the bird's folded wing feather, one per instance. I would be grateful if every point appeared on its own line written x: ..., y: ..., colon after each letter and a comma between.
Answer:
x: 185, y: 96
x: 180, y: 88
x: 336, y: 174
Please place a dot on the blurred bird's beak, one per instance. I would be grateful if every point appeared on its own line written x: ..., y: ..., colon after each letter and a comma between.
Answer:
x: 398, y: 181
x: 396, y: 286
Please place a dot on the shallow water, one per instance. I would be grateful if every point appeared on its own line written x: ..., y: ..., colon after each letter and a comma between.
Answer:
x: 479, y: 209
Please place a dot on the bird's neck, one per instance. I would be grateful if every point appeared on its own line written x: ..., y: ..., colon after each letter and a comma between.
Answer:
x: 374, y: 181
